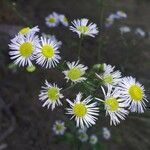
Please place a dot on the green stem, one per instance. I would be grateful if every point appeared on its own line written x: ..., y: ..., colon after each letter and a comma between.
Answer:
x: 9, y: 3
x: 68, y: 88
x: 80, y: 46
x: 101, y: 28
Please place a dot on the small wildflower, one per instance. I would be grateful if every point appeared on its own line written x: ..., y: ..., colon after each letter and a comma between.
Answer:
x: 59, y: 127
x: 81, y: 27
x: 140, y: 32
x: 51, y: 95
x: 133, y: 93
x: 121, y: 14
x: 23, y: 48
x: 110, y: 20
x: 63, y: 20
x: 114, y: 105
x: 109, y: 76
x: 75, y: 72
x: 83, y: 112
x: 106, y: 133
x: 52, y: 20
x: 47, y: 53
x: 124, y: 29
x: 52, y: 37
x: 93, y: 139
x: 27, y: 30
x: 14, y: 4
x: 82, y: 135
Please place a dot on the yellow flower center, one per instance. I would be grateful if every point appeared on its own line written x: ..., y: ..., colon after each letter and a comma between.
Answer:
x: 79, y: 109
x: 59, y: 127
x: 52, y: 20
x: 136, y: 93
x: 48, y: 51
x: 112, y: 104
x: 24, y: 30
x: 82, y: 29
x: 26, y: 49
x: 53, y: 93
x: 74, y: 74
x: 108, y: 79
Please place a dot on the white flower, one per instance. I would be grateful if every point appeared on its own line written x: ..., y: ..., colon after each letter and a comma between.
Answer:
x: 114, y: 16
x: 110, y: 20
x: 83, y: 112
x: 22, y: 49
x: 133, y: 94
x: 51, y: 95
x: 106, y: 133
x: 27, y: 30
x: 121, y: 14
x: 47, y: 54
x: 52, y: 37
x: 114, y: 105
x: 81, y: 27
x: 52, y: 20
x: 75, y: 72
x: 140, y: 32
x: 93, y: 139
x: 59, y: 127
x: 124, y: 29
x: 82, y: 135
x: 109, y: 76
x: 63, y: 20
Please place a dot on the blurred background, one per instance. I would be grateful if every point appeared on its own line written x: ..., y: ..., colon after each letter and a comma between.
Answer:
x: 24, y: 124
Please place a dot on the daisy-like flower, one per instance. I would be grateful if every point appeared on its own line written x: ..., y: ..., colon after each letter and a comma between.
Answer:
x: 110, y: 20
x: 82, y: 135
x: 51, y: 95
x: 22, y: 49
x: 83, y: 112
x: 63, y: 20
x: 52, y: 20
x: 59, y: 127
x: 140, y: 32
x: 124, y: 29
x: 93, y: 139
x: 47, y: 53
x: 82, y: 28
x: 75, y: 72
x: 114, y: 105
x: 106, y: 133
x: 52, y: 37
x: 26, y: 30
x: 121, y: 14
x: 109, y: 76
x: 133, y: 94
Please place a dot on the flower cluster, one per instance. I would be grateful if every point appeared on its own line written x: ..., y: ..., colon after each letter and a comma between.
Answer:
x: 53, y: 20
x: 60, y: 129
x: 115, y: 16
x: 26, y: 47
x: 121, y: 94
x: 119, y: 15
